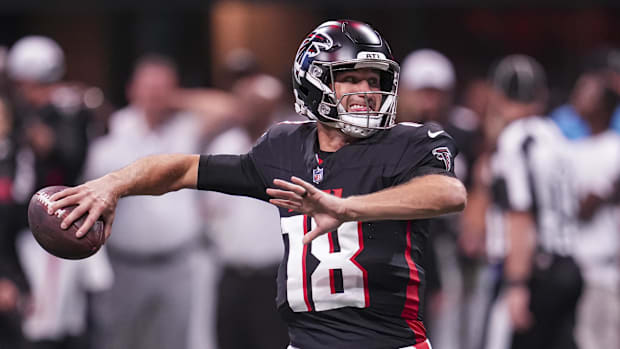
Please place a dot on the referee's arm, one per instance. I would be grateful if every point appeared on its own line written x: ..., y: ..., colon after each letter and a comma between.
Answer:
x: 521, y: 235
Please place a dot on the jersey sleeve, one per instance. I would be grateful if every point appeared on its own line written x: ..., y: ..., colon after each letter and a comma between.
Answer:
x: 249, y: 174
x: 429, y: 150
x: 231, y: 174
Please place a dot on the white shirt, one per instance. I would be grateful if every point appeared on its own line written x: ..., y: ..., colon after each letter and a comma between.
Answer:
x: 246, y: 231
x: 59, y: 288
x: 597, y: 167
x: 145, y: 224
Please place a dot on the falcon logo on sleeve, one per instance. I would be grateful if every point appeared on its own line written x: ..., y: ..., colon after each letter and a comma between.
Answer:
x: 443, y: 154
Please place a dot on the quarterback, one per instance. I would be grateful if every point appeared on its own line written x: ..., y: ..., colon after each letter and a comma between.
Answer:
x: 355, y: 191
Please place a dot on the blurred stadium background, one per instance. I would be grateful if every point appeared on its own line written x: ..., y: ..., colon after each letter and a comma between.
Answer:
x: 103, y: 39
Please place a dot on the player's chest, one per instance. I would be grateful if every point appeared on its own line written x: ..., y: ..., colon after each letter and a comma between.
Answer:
x: 335, y: 178
x: 358, y: 170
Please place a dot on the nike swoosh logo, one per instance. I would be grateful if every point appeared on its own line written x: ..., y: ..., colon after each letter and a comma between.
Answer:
x: 434, y: 134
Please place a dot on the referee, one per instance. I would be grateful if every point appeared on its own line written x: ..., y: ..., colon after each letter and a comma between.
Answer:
x: 534, y: 189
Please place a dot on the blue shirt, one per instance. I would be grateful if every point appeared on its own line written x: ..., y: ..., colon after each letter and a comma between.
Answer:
x: 573, y: 126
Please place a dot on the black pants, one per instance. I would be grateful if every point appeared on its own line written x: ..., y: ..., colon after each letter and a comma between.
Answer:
x: 555, y: 288
x: 247, y: 316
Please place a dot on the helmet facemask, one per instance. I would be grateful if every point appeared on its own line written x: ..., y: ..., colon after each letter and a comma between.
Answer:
x: 357, y: 124
x: 336, y: 46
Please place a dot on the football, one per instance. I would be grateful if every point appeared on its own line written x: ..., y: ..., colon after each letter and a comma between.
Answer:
x: 61, y: 242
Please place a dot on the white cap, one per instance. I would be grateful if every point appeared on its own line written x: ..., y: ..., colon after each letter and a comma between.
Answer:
x: 427, y: 69
x: 36, y: 58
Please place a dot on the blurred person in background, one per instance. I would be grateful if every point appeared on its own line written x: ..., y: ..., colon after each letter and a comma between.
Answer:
x: 534, y: 188
x: 483, y: 228
x: 427, y: 88
x: 597, y: 169
x: 50, y: 123
x: 51, y: 119
x: 13, y: 286
x: 570, y: 117
x: 57, y: 312
x: 164, y: 285
x: 483, y: 224
x: 474, y: 221
x: 249, y: 248
x: 472, y: 237
x: 427, y: 83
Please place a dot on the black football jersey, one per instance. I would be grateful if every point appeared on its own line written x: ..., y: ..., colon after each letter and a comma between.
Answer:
x: 361, y: 286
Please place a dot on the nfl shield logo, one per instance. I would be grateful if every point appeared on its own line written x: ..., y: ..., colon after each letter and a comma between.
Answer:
x: 317, y: 175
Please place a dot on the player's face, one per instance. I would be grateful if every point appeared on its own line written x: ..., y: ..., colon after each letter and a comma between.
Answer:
x: 358, y: 81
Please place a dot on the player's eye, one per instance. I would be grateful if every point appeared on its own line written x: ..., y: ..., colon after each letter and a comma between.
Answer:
x: 346, y: 77
x: 373, y: 82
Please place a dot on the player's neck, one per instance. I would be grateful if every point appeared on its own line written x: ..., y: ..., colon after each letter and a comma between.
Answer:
x: 331, y: 139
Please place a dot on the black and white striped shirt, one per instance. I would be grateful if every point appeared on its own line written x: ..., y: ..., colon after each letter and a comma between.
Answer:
x: 532, y: 173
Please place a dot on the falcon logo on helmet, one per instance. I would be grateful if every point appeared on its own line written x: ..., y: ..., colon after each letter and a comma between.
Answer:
x: 337, y: 46
x: 315, y: 43
x: 310, y: 48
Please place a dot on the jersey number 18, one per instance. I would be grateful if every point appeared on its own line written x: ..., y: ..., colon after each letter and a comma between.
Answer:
x: 338, y: 280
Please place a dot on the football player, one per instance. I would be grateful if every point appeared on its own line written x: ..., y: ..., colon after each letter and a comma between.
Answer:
x: 355, y: 192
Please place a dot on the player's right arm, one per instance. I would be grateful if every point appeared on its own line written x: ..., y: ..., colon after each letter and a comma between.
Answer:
x: 152, y: 175
x: 157, y: 175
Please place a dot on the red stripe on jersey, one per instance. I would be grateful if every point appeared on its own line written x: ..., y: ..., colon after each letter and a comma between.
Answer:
x: 423, y: 345
x: 419, y: 330
x: 303, y: 266
x: 332, y: 283
x: 412, y: 300
x: 331, y: 241
x: 360, y: 234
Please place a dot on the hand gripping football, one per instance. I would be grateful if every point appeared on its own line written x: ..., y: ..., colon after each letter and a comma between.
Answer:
x: 61, y: 242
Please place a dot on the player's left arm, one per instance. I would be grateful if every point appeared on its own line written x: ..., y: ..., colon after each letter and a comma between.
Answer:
x: 421, y: 197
